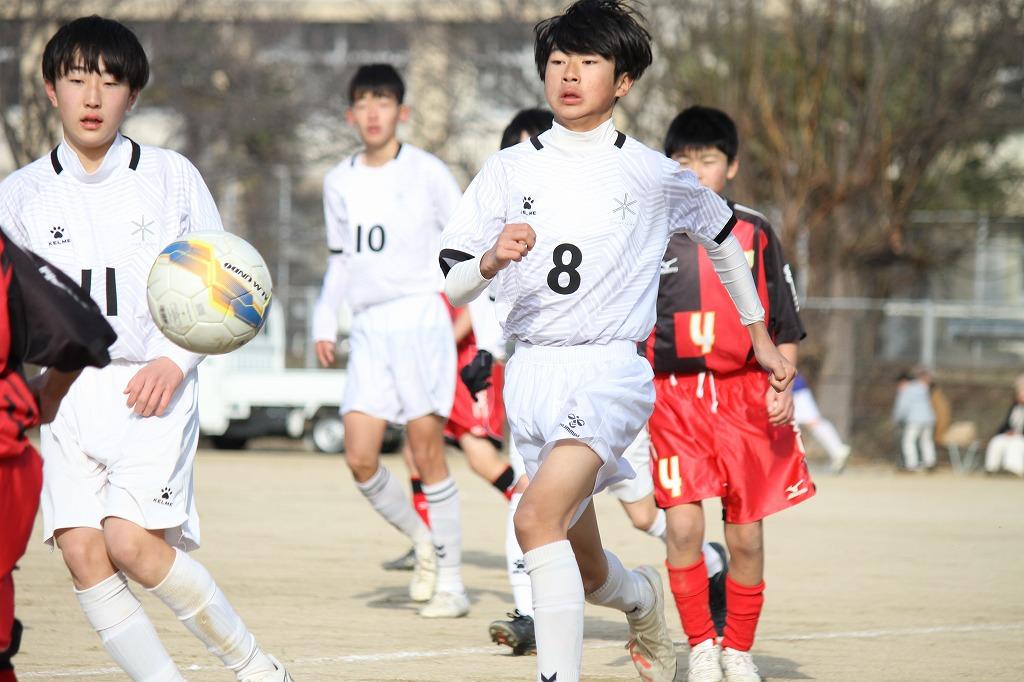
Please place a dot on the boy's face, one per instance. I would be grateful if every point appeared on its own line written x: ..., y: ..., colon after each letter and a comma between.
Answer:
x: 582, y: 89
x: 711, y: 166
x: 91, y: 105
x: 376, y: 117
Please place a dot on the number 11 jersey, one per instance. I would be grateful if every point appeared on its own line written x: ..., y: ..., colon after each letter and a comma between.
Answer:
x: 603, y: 206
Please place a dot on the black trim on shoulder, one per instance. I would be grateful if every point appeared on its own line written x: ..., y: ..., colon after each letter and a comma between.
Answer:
x: 535, y: 141
x: 136, y: 154
x: 336, y: 251
x: 726, y: 230
x: 399, y: 150
x: 449, y: 258
x: 620, y: 139
x: 57, y: 168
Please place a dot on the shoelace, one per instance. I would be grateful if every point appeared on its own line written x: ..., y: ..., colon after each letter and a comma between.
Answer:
x: 740, y: 658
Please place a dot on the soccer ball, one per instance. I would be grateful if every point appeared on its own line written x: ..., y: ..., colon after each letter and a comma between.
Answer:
x: 210, y: 292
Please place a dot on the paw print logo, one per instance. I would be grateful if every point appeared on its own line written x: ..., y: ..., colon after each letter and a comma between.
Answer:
x: 165, y: 493
x: 527, y: 203
x: 576, y: 422
x: 57, y: 231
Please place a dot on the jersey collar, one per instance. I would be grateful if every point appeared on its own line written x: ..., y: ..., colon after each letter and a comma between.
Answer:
x: 571, y: 142
x: 123, y: 152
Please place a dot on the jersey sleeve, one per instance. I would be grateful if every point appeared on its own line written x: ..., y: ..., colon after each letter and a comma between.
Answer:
x: 479, y: 217
x: 53, y: 322
x: 340, y: 246
x: 446, y: 193
x: 695, y: 209
x: 10, y: 223
x: 784, y: 323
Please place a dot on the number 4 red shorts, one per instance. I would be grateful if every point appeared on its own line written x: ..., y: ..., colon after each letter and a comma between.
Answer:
x: 711, y: 438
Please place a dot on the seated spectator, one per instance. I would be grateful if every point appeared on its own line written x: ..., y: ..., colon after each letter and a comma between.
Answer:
x: 913, y: 411
x: 1006, y: 449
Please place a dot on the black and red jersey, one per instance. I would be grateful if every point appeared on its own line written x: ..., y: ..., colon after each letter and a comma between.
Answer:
x: 47, y: 320
x: 698, y: 328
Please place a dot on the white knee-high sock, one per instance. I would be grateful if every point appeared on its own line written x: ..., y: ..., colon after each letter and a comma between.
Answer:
x: 518, y: 578
x: 557, y: 610
x: 189, y: 591
x: 388, y: 498
x: 126, y: 632
x: 827, y: 435
x: 712, y: 560
x: 624, y: 590
x: 446, y: 524
x: 657, y: 529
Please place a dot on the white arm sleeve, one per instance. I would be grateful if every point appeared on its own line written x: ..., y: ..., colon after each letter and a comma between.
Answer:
x: 486, y: 329
x: 325, y: 314
x: 734, y: 271
x: 464, y: 282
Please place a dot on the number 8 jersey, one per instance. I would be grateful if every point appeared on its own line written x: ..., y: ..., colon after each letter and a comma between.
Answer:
x: 104, y: 229
x: 603, y: 206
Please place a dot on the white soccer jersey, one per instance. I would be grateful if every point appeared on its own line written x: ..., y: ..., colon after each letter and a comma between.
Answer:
x: 105, y: 229
x: 383, y: 230
x: 603, y: 206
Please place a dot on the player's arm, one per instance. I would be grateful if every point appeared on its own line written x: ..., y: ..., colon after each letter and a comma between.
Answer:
x: 49, y: 389
x: 709, y: 220
x: 478, y: 242
x: 332, y: 292
x: 462, y: 325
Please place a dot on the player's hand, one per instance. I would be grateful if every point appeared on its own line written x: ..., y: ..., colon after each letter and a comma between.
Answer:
x: 325, y: 353
x: 780, y: 406
x: 49, y: 388
x: 476, y: 375
x: 781, y: 371
x: 514, y: 242
x: 151, y: 389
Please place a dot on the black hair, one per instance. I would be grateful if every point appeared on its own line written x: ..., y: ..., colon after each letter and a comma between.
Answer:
x: 529, y: 121
x: 702, y: 128
x: 86, y: 40
x: 609, y: 28
x: 380, y: 80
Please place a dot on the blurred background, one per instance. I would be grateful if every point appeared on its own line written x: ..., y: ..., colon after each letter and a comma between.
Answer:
x: 883, y: 138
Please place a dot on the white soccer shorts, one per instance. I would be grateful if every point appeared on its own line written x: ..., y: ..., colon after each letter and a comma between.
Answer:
x: 401, y: 362
x: 805, y: 408
x: 100, y: 459
x: 638, y: 454
x: 600, y: 395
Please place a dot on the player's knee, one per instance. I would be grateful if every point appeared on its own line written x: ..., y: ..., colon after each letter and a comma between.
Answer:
x: 643, y: 518
x: 529, y: 523
x: 84, y: 559
x: 362, y: 466
x: 681, y: 537
x: 125, y: 550
x: 746, y: 543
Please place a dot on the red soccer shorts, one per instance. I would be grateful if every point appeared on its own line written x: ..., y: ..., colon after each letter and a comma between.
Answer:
x: 483, y: 417
x: 711, y: 438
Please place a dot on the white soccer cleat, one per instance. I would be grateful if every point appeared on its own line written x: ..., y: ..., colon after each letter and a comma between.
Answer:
x: 446, y: 605
x: 424, y: 573
x: 278, y: 675
x: 738, y: 666
x: 705, y: 662
x: 839, y: 463
x: 650, y: 645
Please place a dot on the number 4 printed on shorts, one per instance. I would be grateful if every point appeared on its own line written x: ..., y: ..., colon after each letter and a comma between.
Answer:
x: 668, y: 475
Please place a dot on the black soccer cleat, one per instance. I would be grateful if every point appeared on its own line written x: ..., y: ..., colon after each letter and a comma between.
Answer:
x: 716, y: 590
x: 12, y: 648
x: 516, y: 633
x: 406, y: 562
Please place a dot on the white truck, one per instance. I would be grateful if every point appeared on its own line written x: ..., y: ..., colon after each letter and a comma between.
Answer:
x: 250, y: 393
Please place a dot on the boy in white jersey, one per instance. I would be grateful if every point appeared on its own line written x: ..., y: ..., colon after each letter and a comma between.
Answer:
x: 385, y: 208
x: 118, y: 495
x: 573, y: 225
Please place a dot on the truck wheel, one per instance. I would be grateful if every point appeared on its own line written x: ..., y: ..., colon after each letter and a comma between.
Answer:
x: 228, y: 442
x: 328, y: 433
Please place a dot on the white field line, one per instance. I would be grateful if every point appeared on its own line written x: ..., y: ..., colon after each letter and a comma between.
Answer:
x: 474, y: 651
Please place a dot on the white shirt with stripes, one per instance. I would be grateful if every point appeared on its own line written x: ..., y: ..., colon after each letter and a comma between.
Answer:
x: 106, y: 228
x: 603, y: 206
x: 383, y: 231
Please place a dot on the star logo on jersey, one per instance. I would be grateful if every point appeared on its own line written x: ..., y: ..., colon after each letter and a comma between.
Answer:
x: 142, y: 228
x: 58, y: 232
x: 669, y: 267
x: 165, y: 497
x: 624, y: 207
x: 528, y: 203
x: 796, y: 490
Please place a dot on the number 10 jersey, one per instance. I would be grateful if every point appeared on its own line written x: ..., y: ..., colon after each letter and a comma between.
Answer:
x: 603, y: 206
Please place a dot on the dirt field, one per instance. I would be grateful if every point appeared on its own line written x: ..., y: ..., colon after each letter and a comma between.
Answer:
x: 880, y: 577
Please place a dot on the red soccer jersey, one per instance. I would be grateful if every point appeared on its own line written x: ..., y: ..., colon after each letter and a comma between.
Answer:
x: 698, y: 327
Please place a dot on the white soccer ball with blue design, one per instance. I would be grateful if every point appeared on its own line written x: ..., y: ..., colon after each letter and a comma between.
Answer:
x: 210, y: 292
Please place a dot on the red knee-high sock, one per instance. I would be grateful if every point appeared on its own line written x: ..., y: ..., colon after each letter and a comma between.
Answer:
x: 6, y: 623
x: 690, y: 588
x: 419, y: 501
x: 743, y: 605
